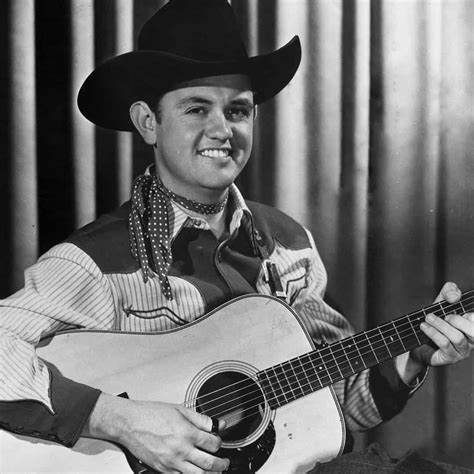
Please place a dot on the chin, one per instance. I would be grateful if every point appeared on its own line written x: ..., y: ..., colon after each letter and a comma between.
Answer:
x: 218, y: 186
x: 219, y: 181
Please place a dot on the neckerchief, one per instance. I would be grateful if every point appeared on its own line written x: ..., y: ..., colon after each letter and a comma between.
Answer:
x: 149, y: 227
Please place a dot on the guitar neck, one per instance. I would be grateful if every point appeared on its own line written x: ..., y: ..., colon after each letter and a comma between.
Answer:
x: 305, y: 374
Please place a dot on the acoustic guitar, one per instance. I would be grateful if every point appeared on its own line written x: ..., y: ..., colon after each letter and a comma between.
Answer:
x: 250, y: 361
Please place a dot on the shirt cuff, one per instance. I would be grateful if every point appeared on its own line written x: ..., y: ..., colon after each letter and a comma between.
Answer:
x: 388, y: 390
x: 72, y: 403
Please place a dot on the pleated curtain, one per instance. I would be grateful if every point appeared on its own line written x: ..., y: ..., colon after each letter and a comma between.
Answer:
x: 371, y: 146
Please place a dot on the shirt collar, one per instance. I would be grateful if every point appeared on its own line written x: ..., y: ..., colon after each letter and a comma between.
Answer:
x: 238, y: 212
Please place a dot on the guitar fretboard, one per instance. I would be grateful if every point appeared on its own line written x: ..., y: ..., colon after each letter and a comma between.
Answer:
x: 305, y: 374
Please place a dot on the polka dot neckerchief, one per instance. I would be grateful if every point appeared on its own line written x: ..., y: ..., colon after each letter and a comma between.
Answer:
x: 149, y: 230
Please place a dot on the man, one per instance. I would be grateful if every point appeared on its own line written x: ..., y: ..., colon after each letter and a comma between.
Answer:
x: 186, y: 243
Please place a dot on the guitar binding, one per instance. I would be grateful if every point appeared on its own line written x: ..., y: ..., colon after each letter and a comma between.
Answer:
x: 230, y: 390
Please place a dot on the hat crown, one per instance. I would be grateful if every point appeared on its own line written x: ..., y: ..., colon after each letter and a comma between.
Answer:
x: 204, y: 30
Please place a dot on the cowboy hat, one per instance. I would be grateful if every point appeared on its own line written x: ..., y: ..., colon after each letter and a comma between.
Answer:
x: 184, y: 40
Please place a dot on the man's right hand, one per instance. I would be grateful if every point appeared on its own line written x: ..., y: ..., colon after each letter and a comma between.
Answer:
x: 166, y: 437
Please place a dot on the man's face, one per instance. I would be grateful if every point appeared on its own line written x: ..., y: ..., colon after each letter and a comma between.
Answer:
x: 204, y: 136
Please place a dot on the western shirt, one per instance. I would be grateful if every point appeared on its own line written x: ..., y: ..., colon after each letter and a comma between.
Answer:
x: 92, y: 282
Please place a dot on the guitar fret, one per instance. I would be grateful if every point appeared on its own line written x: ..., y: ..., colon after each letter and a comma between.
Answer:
x: 280, y: 387
x: 268, y: 389
x: 326, y: 367
x: 415, y: 331
x: 290, y: 392
x: 305, y: 372
x: 323, y: 366
x: 360, y: 355
x: 335, y: 360
x: 393, y: 340
x: 296, y: 388
x: 344, y: 362
x: 385, y: 344
x: 347, y: 357
x: 439, y: 311
x: 368, y: 356
x: 371, y: 348
x: 315, y: 370
x: 398, y: 334
x: 457, y: 308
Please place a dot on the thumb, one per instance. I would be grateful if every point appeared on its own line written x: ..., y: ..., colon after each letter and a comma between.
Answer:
x: 450, y: 292
x: 203, y: 422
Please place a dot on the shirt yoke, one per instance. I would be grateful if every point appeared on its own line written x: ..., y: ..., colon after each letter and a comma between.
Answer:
x: 106, y: 239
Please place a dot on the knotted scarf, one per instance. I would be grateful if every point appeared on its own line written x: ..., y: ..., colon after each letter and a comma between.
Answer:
x: 149, y: 226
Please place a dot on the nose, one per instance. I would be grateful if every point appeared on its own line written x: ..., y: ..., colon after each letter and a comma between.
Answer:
x: 218, y: 128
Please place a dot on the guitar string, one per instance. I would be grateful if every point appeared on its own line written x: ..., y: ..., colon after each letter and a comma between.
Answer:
x: 284, y: 388
x: 257, y: 405
x: 346, y: 354
x: 300, y: 372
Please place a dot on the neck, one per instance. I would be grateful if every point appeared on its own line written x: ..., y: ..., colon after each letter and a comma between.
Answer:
x: 216, y: 222
x: 328, y: 364
x: 199, y: 207
x: 201, y: 195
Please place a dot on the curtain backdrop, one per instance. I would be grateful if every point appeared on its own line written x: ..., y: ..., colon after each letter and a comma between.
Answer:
x: 371, y: 146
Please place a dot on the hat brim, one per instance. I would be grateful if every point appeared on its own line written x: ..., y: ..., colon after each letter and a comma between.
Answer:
x: 109, y: 91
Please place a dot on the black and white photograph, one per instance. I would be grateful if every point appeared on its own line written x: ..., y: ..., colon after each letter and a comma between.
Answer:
x: 237, y: 236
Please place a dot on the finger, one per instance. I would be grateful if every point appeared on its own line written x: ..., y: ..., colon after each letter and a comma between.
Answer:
x: 450, y: 292
x: 188, y: 468
x: 464, y: 323
x: 203, y: 422
x: 454, y: 335
x: 217, y: 425
x: 208, y: 442
x: 450, y: 354
x: 207, y: 461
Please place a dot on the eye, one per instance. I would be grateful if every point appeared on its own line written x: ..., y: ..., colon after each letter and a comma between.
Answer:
x: 239, y: 113
x: 196, y: 110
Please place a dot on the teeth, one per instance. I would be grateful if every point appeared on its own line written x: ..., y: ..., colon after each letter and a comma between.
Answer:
x: 215, y: 153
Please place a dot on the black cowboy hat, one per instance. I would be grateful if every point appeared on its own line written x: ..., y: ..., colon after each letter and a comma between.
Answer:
x: 184, y: 40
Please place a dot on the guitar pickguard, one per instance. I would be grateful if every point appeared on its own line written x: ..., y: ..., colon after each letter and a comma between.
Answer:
x: 250, y: 458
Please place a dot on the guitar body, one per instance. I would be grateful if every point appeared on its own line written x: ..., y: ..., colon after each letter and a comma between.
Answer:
x: 233, y: 342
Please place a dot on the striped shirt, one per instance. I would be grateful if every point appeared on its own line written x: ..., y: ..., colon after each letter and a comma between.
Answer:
x: 66, y: 289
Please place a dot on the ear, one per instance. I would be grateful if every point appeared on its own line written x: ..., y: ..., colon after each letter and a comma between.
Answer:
x: 144, y: 120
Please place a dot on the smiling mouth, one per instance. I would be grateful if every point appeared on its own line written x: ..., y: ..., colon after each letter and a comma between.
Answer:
x: 216, y: 152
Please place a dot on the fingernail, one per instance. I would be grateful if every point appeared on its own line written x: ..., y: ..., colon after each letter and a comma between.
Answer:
x: 430, y: 317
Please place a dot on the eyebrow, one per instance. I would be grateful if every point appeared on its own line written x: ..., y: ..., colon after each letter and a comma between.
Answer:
x: 193, y: 100
x: 245, y: 102
x: 202, y: 100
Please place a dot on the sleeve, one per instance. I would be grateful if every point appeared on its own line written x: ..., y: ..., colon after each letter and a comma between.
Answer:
x: 368, y: 397
x: 65, y: 289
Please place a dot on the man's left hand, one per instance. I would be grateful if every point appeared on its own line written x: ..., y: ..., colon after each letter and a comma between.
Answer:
x: 453, y: 337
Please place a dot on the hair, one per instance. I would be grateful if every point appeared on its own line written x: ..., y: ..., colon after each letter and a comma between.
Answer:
x: 157, y: 108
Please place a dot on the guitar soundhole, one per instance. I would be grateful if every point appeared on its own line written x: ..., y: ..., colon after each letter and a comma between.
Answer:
x: 237, y: 399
